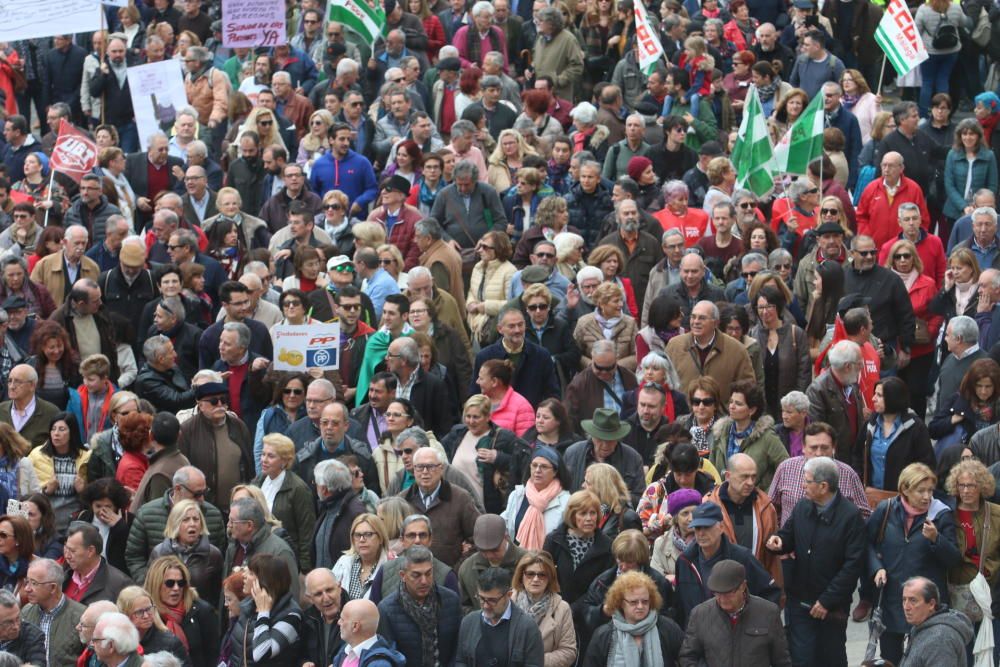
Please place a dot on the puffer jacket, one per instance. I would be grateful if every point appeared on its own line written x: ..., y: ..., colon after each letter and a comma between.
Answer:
x: 587, y: 210
x: 489, y: 285
x: 397, y: 628
x: 558, y: 634
x: 762, y: 445
x: 588, y: 332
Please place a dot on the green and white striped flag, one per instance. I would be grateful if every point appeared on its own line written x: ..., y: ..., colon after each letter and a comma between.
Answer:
x: 803, y: 142
x: 650, y: 49
x: 752, y: 154
x: 898, y: 37
x: 359, y: 16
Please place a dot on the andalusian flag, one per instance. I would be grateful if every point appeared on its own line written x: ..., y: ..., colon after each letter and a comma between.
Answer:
x: 359, y: 16
x: 897, y: 35
x: 803, y: 142
x: 650, y: 49
x: 752, y: 154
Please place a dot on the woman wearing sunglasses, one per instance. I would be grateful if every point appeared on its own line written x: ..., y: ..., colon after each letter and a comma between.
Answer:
x: 186, y: 538
x: 333, y: 219
x: 138, y: 605
x: 287, y: 405
x: 183, y: 610
x: 288, y: 497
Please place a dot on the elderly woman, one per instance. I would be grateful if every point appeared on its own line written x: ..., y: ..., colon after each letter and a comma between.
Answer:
x: 748, y: 430
x: 253, y: 231
x: 482, y: 450
x: 550, y: 220
x: 608, y: 322
x: 137, y: 604
x: 969, y: 167
x: 657, y: 368
x: 14, y: 280
x: 536, y: 592
x: 333, y: 219
x: 106, y: 504
x: 976, y: 404
x: 506, y: 160
x: 391, y: 259
x: 185, y: 614
x: 569, y: 246
x: 186, y: 538
x: 611, y: 261
x: 288, y: 497
x: 784, y: 348
x: 489, y: 285
x: 536, y: 109
x: 895, y: 437
x: 233, y: 631
x: 61, y: 466
x: 356, y: 569
x: 638, y: 634
x: 616, y: 505
x: 510, y: 410
x: 911, y: 535
x: 794, y: 419
x: 678, y: 509
x: 535, y: 508
x: 580, y: 550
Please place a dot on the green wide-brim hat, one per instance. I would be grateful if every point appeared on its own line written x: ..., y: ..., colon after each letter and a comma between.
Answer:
x: 606, y: 425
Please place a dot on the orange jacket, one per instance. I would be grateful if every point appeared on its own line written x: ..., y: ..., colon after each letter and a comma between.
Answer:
x: 766, y: 520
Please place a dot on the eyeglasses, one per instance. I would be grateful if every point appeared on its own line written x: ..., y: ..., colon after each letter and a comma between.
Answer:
x: 216, y: 400
x: 967, y: 487
x: 782, y: 267
x: 811, y: 191
x: 396, y: 415
x: 4, y: 535
x: 541, y: 466
x: 36, y: 584
x: 289, y: 391
x: 766, y: 307
x: 417, y: 311
x: 829, y: 211
x: 145, y: 611
x: 867, y: 253
x: 535, y: 307
x: 175, y: 583
x: 490, y: 601
x: 535, y: 575
x: 426, y: 467
x: 365, y: 535
x: 902, y: 255
x: 483, y: 246
x: 333, y: 207
x: 707, y: 402
x: 416, y: 536
x: 196, y: 494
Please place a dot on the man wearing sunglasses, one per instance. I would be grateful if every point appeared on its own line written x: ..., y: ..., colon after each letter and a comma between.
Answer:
x: 543, y: 257
x: 602, y: 384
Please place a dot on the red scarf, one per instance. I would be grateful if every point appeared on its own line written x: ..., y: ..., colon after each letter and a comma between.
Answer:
x: 85, y: 400
x: 988, y: 124
x: 174, y: 618
x: 668, y: 407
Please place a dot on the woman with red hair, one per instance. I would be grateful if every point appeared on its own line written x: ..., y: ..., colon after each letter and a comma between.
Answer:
x: 134, y: 436
x: 742, y: 29
x: 536, y: 108
x: 407, y: 162
x: 469, y: 91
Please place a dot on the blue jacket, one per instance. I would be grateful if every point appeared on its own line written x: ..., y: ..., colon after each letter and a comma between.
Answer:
x: 847, y: 123
x: 535, y: 375
x: 301, y: 68
x: 956, y: 173
x: 273, y: 419
x: 353, y: 176
x: 396, y: 626
x: 379, y: 654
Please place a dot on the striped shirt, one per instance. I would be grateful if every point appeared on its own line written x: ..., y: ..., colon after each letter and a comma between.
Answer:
x: 786, y: 487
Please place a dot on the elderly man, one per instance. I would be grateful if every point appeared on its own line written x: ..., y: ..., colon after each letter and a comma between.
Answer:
x: 128, y: 287
x: 88, y: 325
x: 449, y: 304
x: 359, y: 623
x: 244, y: 371
x: 890, y: 305
x: 479, y: 37
x: 494, y: 548
x: 602, y: 384
x: 199, y: 199
x: 291, y: 103
x: 751, y: 264
x: 165, y: 223
x: 90, y: 209
x: 237, y: 304
x: 90, y: 576
x: 987, y: 312
x: 984, y: 242
x: 632, y: 145
x: 185, y: 131
x: 117, y: 227
x: 707, y: 351
x: 557, y: 54
x: 218, y: 442
x: 30, y: 415
x: 408, y: 442
x: 319, y: 394
x: 320, y: 631
x: 394, y: 126
x: 835, y: 398
x: 85, y: 630
x: 436, y: 627
x: 468, y: 208
x: 543, y: 255
x: 929, y: 246
x: 415, y: 531
x: 534, y: 373
x: 499, y: 623
x: 962, y: 229
x: 427, y: 392
x: 666, y: 272
x: 962, y: 338
x: 332, y: 441
x: 22, y: 639
x: 158, y: 162
x: 737, y: 625
x: 250, y: 534
x: 150, y: 521
x: 878, y: 208
x: 441, y: 259
x: 589, y: 199
x: 339, y: 506
x: 938, y: 635
x: 692, y: 288
x: 641, y: 250
x: 59, y: 271
x: 826, y: 534
x: 161, y: 380
x: 450, y: 508
x: 52, y: 611
x: 603, y: 445
x: 116, y: 641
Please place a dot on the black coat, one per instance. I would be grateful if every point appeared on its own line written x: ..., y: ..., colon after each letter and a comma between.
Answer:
x: 168, y: 390
x: 185, y: 337
x: 314, y: 647
x: 830, y: 553
x: 157, y: 640
x: 891, y: 308
x: 430, y: 397
x: 556, y: 337
x: 912, y: 445
x: 248, y: 179
x: 534, y: 375
x: 573, y: 582
x: 65, y: 74
x: 254, y: 394
x: 208, y: 346
x: 128, y: 300
x: 117, y: 110
x: 599, y: 651
x: 136, y: 168
x: 201, y: 627
x: 940, y: 425
x: 505, y: 443
x: 341, y: 509
x: 117, y: 537
x: 29, y: 645
x: 588, y: 611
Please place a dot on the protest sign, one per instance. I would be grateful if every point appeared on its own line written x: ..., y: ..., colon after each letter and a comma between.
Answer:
x: 249, y: 23
x: 74, y: 153
x: 157, y: 95
x: 25, y: 19
x: 304, y: 346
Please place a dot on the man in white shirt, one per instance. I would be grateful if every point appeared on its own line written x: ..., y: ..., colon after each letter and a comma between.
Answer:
x: 358, y: 628
x: 29, y: 414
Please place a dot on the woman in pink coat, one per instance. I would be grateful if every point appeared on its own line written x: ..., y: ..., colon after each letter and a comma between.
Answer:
x: 510, y: 410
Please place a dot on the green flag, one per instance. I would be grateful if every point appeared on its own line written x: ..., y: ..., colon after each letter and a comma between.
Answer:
x: 803, y: 142
x: 752, y: 154
x: 359, y: 16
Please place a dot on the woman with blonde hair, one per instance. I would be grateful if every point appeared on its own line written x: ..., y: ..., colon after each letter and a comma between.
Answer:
x: 506, y: 159
x: 137, y: 604
x: 317, y: 140
x: 536, y: 593
x: 607, y: 323
x: 335, y: 221
x: 368, y: 234
x: 391, y: 259
x: 184, y: 40
x: 186, y: 538
x: 393, y: 510
x: 185, y: 614
x: 882, y: 124
x: 356, y: 569
x: 604, y: 481
x: 489, y: 285
x: 580, y: 550
x: 262, y: 121
x: 251, y: 491
x: 289, y: 498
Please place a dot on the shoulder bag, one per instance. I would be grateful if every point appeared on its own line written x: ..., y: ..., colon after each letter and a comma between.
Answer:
x: 961, y: 596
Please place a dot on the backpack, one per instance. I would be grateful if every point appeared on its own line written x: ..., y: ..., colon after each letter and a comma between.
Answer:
x: 946, y: 35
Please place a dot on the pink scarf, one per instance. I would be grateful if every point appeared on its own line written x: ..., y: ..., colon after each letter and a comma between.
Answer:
x: 908, y: 278
x: 911, y: 514
x: 531, y: 534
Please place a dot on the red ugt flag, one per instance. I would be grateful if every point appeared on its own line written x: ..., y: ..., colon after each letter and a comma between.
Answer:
x: 74, y: 153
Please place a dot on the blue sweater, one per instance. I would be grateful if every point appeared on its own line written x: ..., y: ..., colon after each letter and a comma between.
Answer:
x: 353, y: 176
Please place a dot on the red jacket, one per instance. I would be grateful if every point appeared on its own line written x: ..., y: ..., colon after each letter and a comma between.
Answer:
x: 921, y: 294
x: 402, y: 232
x: 931, y: 252
x: 692, y: 225
x: 879, y: 218
x: 131, y: 468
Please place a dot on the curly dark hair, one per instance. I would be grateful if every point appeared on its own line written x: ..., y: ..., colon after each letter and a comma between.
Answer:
x: 107, y: 487
x: 133, y: 431
x: 45, y: 331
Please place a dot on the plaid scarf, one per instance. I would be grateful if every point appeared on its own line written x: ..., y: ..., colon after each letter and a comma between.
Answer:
x: 426, y: 617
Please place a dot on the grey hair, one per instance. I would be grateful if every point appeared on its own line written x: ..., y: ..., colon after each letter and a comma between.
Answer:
x: 8, y: 600
x: 188, y: 111
x: 417, y: 555
x: 843, y: 353
x: 428, y: 227
x: 345, y: 66
x: 675, y: 188
x: 796, y: 189
x: 673, y: 231
x: 414, y: 518
x: 409, y: 351
x: 207, y: 375
x: 856, y: 241
x: 333, y: 475
x: 585, y: 113
x: 565, y: 243
x: 53, y: 570
x: 323, y: 383
x: 987, y: 211
x: 494, y: 56
x: 281, y: 74
x: 835, y: 87
x: 777, y: 256
x: 13, y: 259
x: 421, y: 272
x: 711, y: 304
x: 795, y: 400
x: 118, y: 629
x: 717, y: 23
x: 588, y: 272
x: 161, y: 659
x: 202, y: 54
x: 462, y: 127
x: 416, y: 434
x: 740, y: 194
x: 824, y: 469
x: 602, y: 346
x: 154, y: 346
x: 620, y: 202
x: 907, y: 207
x: 901, y: 110
x: 199, y: 147
x: 242, y: 333
x: 637, y: 116
x: 482, y: 6
x: 448, y: 51
x: 154, y: 135
x: 753, y: 258
x: 663, y: 363
x: 964, y: 328
x: 590, y: 164
x: 248, y: 509
x: 553, y: 16
x: 465, y: 168
x: 175, y: 305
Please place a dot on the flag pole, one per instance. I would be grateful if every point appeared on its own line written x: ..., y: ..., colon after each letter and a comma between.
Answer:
x: 48, y: 197
x: 101, y: 51
x: 881, y: 76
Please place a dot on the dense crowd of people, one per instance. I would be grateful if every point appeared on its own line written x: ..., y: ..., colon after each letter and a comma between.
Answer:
x: 594, y: 403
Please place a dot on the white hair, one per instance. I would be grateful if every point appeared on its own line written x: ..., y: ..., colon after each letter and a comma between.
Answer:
x: 482, y: 6
x: 281, y: 74
x: 795, y: 400
x: 345, y: 66
x: 120, y: 631
x: 843, y: 353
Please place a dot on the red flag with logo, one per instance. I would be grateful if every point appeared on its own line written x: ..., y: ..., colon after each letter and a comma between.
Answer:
x: 74, y: 154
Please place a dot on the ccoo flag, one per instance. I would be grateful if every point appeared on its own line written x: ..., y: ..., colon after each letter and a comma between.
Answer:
x: 369, y: 22
x: 803, y: 142
x: 752, y: 154
x: 650, y: 49
x: 897, y: 35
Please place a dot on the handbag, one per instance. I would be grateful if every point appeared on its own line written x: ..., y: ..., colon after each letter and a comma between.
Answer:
x: 469, y: 255
x: 487, y: 334
x: 874, y: 494
x: 922, y: 333
x: 961, y: 595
